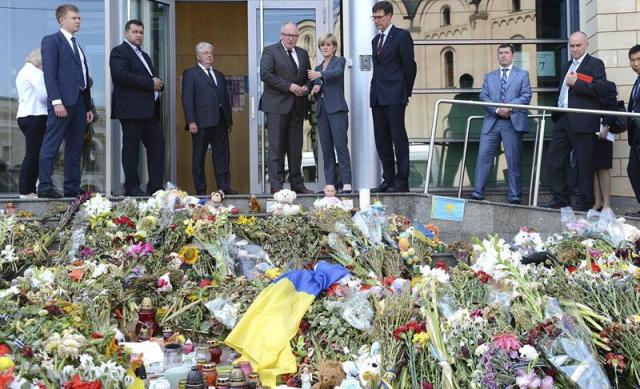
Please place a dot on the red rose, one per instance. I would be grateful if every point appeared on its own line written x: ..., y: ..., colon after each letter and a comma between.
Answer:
x: 4, y: 349
x: 595, y: 268
x: 442, y: 265
x: 204, y: 283
x: 571, y: 269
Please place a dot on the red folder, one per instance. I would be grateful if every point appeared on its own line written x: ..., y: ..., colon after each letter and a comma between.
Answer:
x: 584, y: 77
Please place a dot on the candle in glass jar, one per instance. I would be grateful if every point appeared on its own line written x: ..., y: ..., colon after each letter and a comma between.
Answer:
x: 365, y: 198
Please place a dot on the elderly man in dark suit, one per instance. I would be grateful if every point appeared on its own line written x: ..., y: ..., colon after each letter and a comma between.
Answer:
x: 69, y: 103
x: 575, y: 131
x: 135, y: 101
x: 207, y: 112
x: 633, y: 167
x: 394, y: 72
x: 283, y: 69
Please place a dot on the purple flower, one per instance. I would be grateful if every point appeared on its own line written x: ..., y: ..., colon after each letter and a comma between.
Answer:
x: 140, y: 249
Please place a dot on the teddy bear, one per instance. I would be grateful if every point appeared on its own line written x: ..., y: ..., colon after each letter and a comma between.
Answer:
x: 284, y: 206
x: 330, y: 375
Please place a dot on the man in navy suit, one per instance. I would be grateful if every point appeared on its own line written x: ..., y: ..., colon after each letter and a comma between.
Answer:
x: 394, y: 72
x: 633, y: 167
x: 575, y: 131
x: 207, y: 112
x: 507, y: 84
x: 69, y: 103
x: 135, y: 101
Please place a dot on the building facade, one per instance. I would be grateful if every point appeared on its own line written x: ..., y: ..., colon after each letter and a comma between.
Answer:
x: 456, y: 43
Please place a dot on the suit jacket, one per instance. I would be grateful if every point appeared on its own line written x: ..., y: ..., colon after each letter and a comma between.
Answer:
x: 200, y: 98
x: 277, y: 73
x: 133, y: 95
x: 63, y: 75
x: 633, y: 124
x: 583, y: 95
x: 331, y: 95
x: 395, y: 71
x: 518, y: 92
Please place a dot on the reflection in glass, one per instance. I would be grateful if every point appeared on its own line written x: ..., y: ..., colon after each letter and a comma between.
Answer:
x: 22, y: 26
x: 306, y: 21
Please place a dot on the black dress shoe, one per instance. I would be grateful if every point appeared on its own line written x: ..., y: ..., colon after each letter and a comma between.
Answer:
x: 633, y: 214
x: 49, y: 194
x: 515, y: 202
x: 229, y: 192
x: 381, y: 188
x: 275, y: 190
x: 581, y: 208
x: 475, y: 197
x: 302, y: 190
x: 74, y: 194
x: 342, y: 191
x: 554, y: 204
x: 201, y: 193
x: 135, y: 193
x: 398, y: 189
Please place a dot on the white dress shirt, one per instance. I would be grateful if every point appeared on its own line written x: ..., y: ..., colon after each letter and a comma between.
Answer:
x: 576, y: 64
x: 138, y: 52
x: 293, y: 53
x: 84, y: 69
x: 32, y: 94
x: 215, y: 80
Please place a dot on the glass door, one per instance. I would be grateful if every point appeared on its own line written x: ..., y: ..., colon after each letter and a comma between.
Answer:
x: 265, y: 19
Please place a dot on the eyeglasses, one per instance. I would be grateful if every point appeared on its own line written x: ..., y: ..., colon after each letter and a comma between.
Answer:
x: 378, y: 17
x: 290, y: 35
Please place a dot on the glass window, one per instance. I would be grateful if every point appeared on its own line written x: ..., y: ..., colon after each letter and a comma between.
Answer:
x: 23, y: 23
x: 446, y: 16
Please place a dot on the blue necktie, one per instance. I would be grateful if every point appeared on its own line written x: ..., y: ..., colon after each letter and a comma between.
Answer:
x: 503, y: 86
x: 76, y: 52
x: 564, y: 90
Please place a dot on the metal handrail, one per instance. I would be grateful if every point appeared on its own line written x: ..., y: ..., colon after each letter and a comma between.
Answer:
x: 542, y: 108
x: 466, y: 144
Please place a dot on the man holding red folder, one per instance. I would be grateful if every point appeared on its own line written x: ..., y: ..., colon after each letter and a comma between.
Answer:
x: 575, y: 131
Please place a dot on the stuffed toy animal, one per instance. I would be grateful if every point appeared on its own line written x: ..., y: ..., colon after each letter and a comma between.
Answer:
x: 330, y: 375
x: 284, y: 206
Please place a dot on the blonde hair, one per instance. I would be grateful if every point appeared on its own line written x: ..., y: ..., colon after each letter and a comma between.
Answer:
x: 328, y: 38
x: 35, y: 58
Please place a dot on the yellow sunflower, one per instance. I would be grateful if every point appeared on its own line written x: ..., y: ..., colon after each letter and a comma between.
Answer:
x: 189, y: 254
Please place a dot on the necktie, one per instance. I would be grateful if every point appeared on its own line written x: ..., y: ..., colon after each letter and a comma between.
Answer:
x: 75, y: 48
x: 634, y: 92
x: 503, y: 86
x: 211, y: 77
x: 380, y: 44
x: 563, y: 99
x: 293, y: 61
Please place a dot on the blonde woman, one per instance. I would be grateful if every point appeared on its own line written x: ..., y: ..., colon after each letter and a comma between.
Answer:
x: 32, y: 119
x: 333, y: 121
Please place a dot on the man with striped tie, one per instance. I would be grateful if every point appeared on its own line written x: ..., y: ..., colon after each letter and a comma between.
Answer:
x: 633, y: 168
x: 507, y: 84
x: 575, y: 131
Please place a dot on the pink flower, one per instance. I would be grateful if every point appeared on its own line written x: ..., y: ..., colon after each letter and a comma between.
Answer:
x: 140, y: 249
x: 547, y: 383
x: 507, y: 342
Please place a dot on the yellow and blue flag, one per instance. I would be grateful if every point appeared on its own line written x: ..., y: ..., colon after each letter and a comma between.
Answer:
x: 447, y: 208
x: 263, y: 334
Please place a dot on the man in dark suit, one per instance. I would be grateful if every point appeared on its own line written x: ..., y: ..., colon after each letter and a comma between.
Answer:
x: 507, y: 84
x: 135, y: 101
x: 633, y: 168
x: 207, y: 112
x: 394, y: 72
x: 575, y: 131
x: 283, y: 69
x: 69, y: 103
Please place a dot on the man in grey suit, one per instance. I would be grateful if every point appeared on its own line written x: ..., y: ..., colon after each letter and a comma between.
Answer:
x: 507, y: 84
x: 283, y: 69
x: 207, y: 112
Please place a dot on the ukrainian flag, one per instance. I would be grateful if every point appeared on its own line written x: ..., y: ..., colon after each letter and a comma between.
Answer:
x: 263, y: 334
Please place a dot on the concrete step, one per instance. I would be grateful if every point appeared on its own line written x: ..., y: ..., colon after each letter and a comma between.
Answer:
x: 480, y: 217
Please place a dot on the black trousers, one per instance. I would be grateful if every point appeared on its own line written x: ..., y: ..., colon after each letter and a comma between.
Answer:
x: 583, y: 145
x: 633, y: 168
x: 149, y: 132
x: 33, y: 128
x: 392, y: 143
x: 285, y: 136
x: 218, y: 138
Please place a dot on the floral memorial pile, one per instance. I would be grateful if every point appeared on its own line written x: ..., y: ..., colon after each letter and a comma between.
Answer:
x: 176, y: 292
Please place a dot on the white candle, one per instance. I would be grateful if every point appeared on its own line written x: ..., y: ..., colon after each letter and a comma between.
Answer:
x: 365, y: 198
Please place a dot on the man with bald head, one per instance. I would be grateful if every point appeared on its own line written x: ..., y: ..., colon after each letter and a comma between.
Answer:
x: 283, y: 69
x: 575, y: 131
